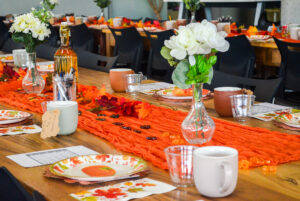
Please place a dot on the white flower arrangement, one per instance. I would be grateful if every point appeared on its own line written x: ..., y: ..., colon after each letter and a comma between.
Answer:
x: 53, y: 2
x: 196, y: 38
x: 29, y: 24
x: 32, y: 29
x: 189, y: 50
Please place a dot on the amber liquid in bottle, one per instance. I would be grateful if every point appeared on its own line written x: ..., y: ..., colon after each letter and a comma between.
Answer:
x: 65, y: 68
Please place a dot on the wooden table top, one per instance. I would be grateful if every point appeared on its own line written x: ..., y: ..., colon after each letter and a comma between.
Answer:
x: 252, y: 184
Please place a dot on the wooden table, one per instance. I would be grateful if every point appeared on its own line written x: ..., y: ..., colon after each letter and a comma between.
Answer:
x: 252, y: 184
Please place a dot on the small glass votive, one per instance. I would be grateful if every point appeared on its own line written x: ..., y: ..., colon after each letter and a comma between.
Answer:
x: 180, y: 163
x: 20, y: 58
x: 241, y: 106
x: 133, y: 82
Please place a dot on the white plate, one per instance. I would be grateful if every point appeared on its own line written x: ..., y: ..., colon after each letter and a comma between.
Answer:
x: 122, y: 165
x: 11, y: 121
x: 169, y: 95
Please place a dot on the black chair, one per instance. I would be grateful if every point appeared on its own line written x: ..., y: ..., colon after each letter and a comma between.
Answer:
x: 158, y: 67
x: 152, y: 20
x: 239, y: 59
x: 129, y: 47
x: 264, y: 90
x: 289, y: 70
x: 45, y: 51
x: 90, y: 60
x: 136, y: 20
x: 82, y: 38
x: 4, y: 35
x: 10, y: 45
x: 53, y: 39
x: 12, y: 190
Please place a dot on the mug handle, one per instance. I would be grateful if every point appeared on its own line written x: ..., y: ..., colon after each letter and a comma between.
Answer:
x: 227, y: 176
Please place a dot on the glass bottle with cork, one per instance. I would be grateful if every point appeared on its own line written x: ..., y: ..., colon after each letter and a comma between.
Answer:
x: 65, y: 68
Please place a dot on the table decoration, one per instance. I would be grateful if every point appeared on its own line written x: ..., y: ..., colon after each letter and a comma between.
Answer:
x: 124, y: 191
x: 191, y: 51
x: 147, y: 136
x: 20, y: 130
x: 31, y: 29
x: 102, y: 4
x: 101, y: 167
x: 65, y: 76
x: 193, y: 6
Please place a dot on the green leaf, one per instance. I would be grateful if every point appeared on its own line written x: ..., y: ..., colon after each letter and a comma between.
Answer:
x: 212, y: 60
x: 179, y: 75
x: 165, y: 53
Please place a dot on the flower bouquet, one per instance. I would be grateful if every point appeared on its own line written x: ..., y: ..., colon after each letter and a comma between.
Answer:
x: 32, y: 29
x: 192, y: 50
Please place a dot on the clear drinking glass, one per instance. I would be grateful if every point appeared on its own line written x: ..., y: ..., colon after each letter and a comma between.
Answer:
x: 241, y: 106
x: 20, y: 58
x: 180, y: 163
x: 133, y: 82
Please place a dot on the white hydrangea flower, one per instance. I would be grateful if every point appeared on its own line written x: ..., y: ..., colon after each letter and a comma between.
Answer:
x: 28, y: 23
x: 196, y: 38
x: 53, y: 1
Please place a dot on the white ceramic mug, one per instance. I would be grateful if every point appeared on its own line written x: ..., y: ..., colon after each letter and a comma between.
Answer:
x: 68, y: 118
x: 290, y: 26
x: 221, y: 25
x: 215, y: 170
x: 295, y: 33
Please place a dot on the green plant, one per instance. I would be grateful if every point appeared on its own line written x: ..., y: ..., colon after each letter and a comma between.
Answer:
x: 102, y: 3
x: 193, y: 5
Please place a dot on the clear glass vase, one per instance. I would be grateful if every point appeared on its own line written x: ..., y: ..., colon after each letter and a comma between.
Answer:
x: 32, y: 83
x: 193, y: 17
x: 197, y: 127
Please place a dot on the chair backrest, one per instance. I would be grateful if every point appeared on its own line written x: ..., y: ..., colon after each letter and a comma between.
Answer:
x: 53, y: 39
x: 136, y: 20
x: 239, y: 59
x: 156, y: 61
x: 290, y: 61
x: 10, y: 188
x: 129, y: 46
x: 10, y: 45
x: 4, y: 35
x: 157, y: 40
x: 152, y: 20
x: 94, y: 61
x: 264, y: 90
x: 45, y: 51
x: 82, y: 37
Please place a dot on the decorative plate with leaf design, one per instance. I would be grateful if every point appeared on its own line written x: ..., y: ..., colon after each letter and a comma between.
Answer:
x: 291, y: 119
x: 98, y: 167
x: 12, y: 116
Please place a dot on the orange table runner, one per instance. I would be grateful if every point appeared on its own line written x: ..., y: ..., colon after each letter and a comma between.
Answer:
x: 256, y: 146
